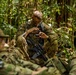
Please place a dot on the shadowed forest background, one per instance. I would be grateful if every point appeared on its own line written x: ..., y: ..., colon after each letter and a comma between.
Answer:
x: 59, y: 14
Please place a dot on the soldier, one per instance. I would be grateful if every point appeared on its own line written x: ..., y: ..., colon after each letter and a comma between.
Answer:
x: 40, y: 33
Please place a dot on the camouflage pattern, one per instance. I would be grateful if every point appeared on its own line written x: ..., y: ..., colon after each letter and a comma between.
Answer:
x: 16, y: 57
x: 50, y: 46
x: 16, y: 64
x: 23, y: 46
x: 10, y: 69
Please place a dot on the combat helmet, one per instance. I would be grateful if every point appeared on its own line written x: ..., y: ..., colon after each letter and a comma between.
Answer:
x: 2, y: 35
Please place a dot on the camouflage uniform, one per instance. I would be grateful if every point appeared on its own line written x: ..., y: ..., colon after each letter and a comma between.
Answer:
x: 15, y: 57
x: 10, y: 69
x: 16, y: 64
x: 50, y: 45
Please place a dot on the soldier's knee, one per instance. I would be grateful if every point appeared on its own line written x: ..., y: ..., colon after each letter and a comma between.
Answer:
x: 21, y: 41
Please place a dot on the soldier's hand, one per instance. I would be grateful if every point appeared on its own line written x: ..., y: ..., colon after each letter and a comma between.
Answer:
x: 42, y: 35
x: 32, y: 30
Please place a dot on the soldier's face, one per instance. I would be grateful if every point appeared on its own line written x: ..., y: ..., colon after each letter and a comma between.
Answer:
x: 2, y: 43
x: 35, y: 19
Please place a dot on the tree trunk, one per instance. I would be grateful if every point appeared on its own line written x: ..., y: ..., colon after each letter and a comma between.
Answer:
x: 8, y: 12
x: 35, y: 4
x: 60, y: 17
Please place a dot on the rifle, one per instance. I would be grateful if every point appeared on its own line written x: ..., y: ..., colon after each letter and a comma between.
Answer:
x: 39, y: 51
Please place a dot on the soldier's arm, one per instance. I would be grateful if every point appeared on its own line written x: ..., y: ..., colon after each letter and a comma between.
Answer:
x: 28, y: 31
x: 50, y: 43
x: 48, y: 35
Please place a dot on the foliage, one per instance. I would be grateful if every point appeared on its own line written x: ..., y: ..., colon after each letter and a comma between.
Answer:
x: 16, y: 12
x: 8, y: 29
